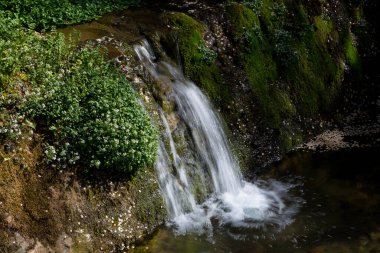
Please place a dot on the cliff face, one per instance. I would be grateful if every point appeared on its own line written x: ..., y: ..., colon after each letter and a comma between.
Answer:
x: 279, y: 72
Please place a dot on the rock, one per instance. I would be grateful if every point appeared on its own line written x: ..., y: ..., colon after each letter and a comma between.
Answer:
x: 168, y: 106
x: 22, y: 243
x: 10, y: 220
x: 173, y: 121
x: 39, y: 248
x: 64, y: 244
x: 9, y: 147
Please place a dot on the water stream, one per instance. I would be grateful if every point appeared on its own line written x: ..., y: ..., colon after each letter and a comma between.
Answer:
x: 231, y: 200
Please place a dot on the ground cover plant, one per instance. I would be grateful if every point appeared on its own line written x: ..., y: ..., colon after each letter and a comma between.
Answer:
x: 81, y: 103
x: 45, y: 14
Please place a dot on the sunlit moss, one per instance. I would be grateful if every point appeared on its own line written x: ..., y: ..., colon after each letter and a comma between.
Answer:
x: 190, y: 42
x: 324, y: 28
x: 352, y: 54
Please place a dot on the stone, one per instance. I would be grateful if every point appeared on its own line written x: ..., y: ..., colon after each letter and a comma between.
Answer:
x: 9, y: 147
x: 39, y: 248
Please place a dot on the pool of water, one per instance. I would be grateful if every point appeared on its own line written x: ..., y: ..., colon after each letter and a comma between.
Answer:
x: 337, y: 195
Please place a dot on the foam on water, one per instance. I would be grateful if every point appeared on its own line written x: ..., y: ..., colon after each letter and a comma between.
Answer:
x: 250, y: 207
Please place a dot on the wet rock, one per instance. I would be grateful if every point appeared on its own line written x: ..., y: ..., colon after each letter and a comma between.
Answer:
x: 168, y: 106
x: 173, y: 121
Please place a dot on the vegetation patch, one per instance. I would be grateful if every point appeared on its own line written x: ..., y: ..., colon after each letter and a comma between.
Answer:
x: 85, y: 107
x: 197, y: 60
x: 46, y: 14
x: 257, y: 59
x: 294, y: 62
x: 352, y: 55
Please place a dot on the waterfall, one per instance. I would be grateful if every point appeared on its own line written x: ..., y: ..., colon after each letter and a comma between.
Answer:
x: 231, y: 200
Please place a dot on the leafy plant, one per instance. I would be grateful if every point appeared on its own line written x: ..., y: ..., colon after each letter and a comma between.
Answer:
x: 45, y: 14
x: 250, y: 36
x: 283, y: 49
x: 81, y: 102
x: 208, y: 55
x: 254, y: 5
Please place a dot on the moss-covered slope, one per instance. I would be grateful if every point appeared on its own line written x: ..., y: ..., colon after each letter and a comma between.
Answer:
x: 294, y: 56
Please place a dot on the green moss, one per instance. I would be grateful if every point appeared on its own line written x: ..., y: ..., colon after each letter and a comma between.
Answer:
x: 191, y: 49
x: 306, y: 78
x: 358, y: 14
x: 258, y: 63
x: 316, y: 76
x: 272, y: 15
x: 81, y: 245
x: 323, y: 28
x: 285, y: 140
x: 293, y: 62
x: 241, y: 18
x: 199, y: 187
x: 289, y: 138
x: 266, y: 14
x: 150, y: 206
x: 352, y: 55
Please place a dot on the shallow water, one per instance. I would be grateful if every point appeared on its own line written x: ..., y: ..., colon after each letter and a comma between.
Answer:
x: 339, y: 197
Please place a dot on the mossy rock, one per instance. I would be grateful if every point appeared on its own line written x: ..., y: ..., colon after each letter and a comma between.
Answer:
x: 187, y: 36
x: 294, y: 60
x: 241, y: 18
x: 324, y: 28
x: 257, y: 59
x: 319, y: 71
x: 149, y: 205
x: 352, y: 55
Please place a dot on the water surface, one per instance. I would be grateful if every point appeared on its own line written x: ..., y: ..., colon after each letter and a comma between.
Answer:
x: 339, y: 212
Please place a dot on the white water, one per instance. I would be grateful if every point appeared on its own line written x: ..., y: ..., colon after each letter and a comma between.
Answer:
x: 232, y: 200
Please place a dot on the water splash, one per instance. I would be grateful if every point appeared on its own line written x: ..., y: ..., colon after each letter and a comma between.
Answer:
x: 231, y: 201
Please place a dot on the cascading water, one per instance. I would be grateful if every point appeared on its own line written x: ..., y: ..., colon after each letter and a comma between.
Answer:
x: 230, y: 200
